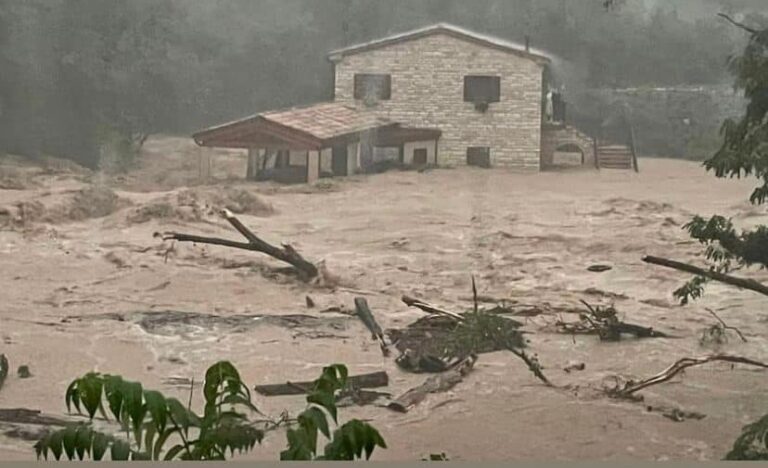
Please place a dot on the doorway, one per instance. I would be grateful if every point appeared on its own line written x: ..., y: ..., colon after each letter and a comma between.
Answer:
x: 339, y: 164
x: 420, y: 157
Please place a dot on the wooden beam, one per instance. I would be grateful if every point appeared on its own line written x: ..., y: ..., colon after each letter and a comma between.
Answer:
x: 373, y: 380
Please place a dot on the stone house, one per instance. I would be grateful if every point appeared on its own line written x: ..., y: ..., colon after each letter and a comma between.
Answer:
x: 440, y: 95
x: 486, y: 95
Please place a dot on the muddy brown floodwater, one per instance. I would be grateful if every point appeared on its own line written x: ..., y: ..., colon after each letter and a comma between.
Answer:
x: 100, y: 293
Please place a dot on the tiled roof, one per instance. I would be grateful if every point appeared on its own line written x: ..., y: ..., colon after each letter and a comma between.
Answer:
x: 310, y: 125
x: 327, y: 120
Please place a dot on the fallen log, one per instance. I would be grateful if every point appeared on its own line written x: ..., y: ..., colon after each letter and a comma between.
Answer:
x: 435, y: 384
x: 430, y: 309
x: 742, y: 283
x: 28, y: 416
x: 285, y: 254
x: 366, y: 316
x: 373, y: 380
x: 667, y: 374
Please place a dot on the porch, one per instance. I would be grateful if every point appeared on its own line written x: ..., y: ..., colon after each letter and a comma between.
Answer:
x: 302, y: 145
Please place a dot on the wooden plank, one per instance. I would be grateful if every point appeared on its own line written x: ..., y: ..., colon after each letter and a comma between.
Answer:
x: 365, y: 314
x: 438, y: 383
x: 372, y: 380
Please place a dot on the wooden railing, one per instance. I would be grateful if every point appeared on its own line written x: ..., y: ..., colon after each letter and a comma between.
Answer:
x: 631, y: 134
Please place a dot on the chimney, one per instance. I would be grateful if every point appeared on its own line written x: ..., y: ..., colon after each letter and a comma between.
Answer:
x: 527, y: 43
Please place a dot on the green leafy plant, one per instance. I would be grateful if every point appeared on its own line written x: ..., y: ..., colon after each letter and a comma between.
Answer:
x: 752, y: 444
x: 150, y: 420
x: 348, y: 442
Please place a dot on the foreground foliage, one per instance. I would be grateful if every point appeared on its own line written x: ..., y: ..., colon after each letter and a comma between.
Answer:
x: 752, y: 444
x: 349, y: 442
x: 744, y: 152
x: 150, y: 421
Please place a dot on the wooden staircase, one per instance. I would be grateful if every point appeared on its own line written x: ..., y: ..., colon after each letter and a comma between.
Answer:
x: 612, y: 156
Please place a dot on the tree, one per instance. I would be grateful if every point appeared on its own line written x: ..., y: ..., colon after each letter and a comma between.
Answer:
x: 744, y: 152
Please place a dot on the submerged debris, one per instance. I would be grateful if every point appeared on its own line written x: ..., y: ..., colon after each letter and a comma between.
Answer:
x: 23, y: 372
x: 438, y: 383
x: 436, y: 343
x: 718, y: 334
x: 604, y: 322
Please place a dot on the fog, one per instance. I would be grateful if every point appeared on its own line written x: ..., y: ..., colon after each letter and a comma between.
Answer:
x: 523, y: 249
x: 77, y: 73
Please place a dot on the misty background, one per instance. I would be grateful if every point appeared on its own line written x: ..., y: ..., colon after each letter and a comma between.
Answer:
x: 80, y: 78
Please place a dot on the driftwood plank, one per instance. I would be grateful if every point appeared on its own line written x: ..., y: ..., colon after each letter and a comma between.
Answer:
x: 373, y: 380
x: 430, y: 309
x: 3, y: 369
x: 435, y: 384
x: 366, y: 316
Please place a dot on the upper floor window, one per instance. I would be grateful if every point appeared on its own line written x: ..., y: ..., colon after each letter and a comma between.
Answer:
x: 482, y: 89
x: 375, y: 87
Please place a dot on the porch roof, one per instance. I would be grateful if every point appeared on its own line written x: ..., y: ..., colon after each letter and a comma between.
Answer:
x: 310, y: 127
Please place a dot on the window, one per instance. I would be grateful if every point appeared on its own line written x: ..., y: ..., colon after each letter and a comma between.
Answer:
x: 482, y: 89
x: 479, y: 157
x: 377, y: 87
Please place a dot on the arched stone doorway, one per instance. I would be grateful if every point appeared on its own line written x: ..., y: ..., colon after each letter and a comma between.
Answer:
x: 566, y: 147
x: 569, y: 155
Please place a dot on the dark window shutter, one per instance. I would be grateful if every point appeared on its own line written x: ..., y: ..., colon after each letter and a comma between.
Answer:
x: 482, y: 89
x: 373, y: 86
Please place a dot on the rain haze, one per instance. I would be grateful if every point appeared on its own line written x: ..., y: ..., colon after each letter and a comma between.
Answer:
x: 497, y: 230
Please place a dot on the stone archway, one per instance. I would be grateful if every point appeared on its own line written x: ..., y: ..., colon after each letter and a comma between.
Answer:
x: 566, y: 139
x: 569, y: 154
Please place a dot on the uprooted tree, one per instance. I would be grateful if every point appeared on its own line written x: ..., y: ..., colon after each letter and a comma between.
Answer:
x: 286, y: 253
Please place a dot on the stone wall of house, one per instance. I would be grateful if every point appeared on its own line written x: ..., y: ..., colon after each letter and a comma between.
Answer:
x: 428, y: 91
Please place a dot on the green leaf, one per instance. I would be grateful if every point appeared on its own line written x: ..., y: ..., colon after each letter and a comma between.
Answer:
x: 113, y: 391
x: 121, y: 451
x: 173, y: 452
x: 181, y: 415
x: 100, y: 443
x: 149, y: 438
x: 89, y: 390
x: 325, y: 400
x: 55, y: 442
x: 69, y: 438
x: 317, y: 416
x: 218, y: 375
x: 298, y: 449
x: 162, y: 438
x: 71, y: 395
x: 141, y: 456
x: 83, y: 441
x: 42, y: 445
x: 158, y: 409
x: 133, y: 405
